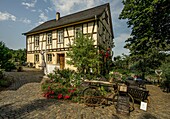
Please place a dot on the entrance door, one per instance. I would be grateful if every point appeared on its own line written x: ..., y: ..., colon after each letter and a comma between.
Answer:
x: 60, y: 60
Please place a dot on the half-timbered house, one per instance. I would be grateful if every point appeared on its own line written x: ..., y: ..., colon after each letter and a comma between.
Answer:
x: 53, y: 37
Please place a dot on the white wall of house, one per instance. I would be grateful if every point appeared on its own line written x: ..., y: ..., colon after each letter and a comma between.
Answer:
x: 68, y: 34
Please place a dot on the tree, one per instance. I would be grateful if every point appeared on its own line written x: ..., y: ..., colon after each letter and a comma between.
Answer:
x: 150, y: 23
x: 19, y: 55
x: 5, y: 57
x: 83, y: 54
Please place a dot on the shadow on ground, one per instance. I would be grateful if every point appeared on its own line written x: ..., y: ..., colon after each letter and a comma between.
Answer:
x: 24, y: 77
x: 147, y: 116
x: 13, y: 111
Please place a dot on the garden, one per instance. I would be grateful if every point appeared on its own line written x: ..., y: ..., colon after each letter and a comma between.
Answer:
x: 96, y: 64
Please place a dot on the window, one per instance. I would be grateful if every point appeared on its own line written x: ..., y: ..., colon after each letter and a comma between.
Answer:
x: 49, y: 57
x: 36, y: 57
x: 49, y: 38
x: 60, y: 36
x: 78, y: 30
x: 36, y: 40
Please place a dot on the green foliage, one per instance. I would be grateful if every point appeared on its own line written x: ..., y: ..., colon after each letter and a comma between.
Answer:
x: 122, y: 62
x: 83, y: 54
x: 45, y: 86
x: 149, y: 21
x: 8, y: 66
x: 60, y: 83
x: 19, y: 56
x: 165, y: 67
x: 166, y: 71
x: 61, y: 76
x: 1, y: 74
x: 5, y: 58
x: 4, y: 81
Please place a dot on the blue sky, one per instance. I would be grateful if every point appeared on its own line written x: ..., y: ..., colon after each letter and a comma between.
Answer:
x: 20, y: 16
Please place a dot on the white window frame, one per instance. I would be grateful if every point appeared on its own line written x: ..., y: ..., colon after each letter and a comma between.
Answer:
x: 36, y: 40
x: 49, y: 38
x: 77, y: 31
x: 36, y: 57
x: 49, y: 57
x: 60, y: 36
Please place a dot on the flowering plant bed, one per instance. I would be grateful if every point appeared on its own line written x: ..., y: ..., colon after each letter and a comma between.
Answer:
x: 58, y: 91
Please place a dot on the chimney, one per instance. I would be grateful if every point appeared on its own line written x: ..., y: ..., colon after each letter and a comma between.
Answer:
x: 57, y: 16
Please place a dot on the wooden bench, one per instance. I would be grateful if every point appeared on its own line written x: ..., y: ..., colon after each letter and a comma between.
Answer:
x: 138, y: 94
x: 140, y: 84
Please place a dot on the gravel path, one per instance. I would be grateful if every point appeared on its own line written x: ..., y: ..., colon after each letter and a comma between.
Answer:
x: 24, y: 100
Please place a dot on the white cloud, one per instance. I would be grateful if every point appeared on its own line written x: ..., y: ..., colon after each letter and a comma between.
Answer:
x: 122, y: 38
x: 39, y: 10
x: 70, y: 6
x: 50, y: 8
x: 46, y: 10
x: 33, y: 10
x: 29, y: 5
x: 42, y: 18
x: 120, y: 43
x: 4, y: 16
x: 7, y: 16
x: 25, y: 20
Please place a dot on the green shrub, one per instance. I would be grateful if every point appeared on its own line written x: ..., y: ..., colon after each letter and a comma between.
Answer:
x: 1, y: 74
x: 166, y: 71
x: 4, y: 83
x: 8, y: 66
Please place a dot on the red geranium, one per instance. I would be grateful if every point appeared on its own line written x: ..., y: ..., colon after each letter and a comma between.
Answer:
x: 66, y: 97
x: 71, y: 91
x: 49, y: 88
x: 59, y: 96
x: 52, y: 92
x: 107, y: 54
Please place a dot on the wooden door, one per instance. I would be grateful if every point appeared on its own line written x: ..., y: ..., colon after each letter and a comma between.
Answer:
x: 61, y: 60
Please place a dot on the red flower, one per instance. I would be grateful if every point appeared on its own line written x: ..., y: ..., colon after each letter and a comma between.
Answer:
x: 49, y: 88
x: 66, y: 97
x: 71, y: 91
x: 107, y: 54
x: 59, y: 96
x: 44, y: 95
x: 52, y: 92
